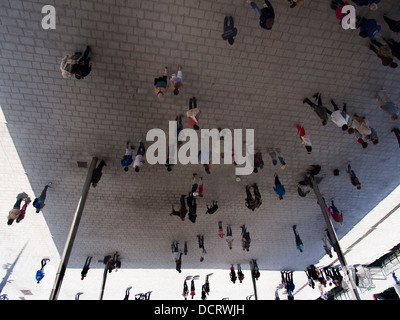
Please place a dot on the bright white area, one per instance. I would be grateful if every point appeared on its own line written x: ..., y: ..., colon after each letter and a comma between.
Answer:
x: 24, y: 244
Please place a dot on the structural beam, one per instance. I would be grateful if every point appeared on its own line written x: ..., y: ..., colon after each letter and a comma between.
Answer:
x: 103, y: 285
x: 72, y: 233
x: 254, y: 281
x: 335, y: 241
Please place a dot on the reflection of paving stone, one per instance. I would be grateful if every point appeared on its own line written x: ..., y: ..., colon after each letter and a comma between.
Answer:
x: 258, y: 83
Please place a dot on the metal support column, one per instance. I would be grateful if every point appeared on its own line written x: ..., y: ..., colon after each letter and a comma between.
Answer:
x: 254, y: 281
x: 335, y: 241
x: 104, y: 279
x: 72, y: 233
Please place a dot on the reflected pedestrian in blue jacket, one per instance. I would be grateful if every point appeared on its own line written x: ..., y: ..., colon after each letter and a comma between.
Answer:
x: 40, y: 273
x: 368, y: 28
x: 279, y: 188
x: 38, y: 203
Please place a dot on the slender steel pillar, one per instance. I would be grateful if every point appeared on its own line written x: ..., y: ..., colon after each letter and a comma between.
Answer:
x: 104, y: 279
x: 335, y: 241
x: 72, y: 233
x: 254, y: 281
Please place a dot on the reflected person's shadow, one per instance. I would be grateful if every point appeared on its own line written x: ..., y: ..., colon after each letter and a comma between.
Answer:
x: 9, y: 267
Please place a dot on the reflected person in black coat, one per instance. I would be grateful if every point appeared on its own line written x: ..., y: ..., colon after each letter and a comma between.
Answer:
x: 229, y: 30
x: 266, y: 15
x: 97, y: 173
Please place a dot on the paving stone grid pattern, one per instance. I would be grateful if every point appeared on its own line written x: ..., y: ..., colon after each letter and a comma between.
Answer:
x: 258, y: 83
